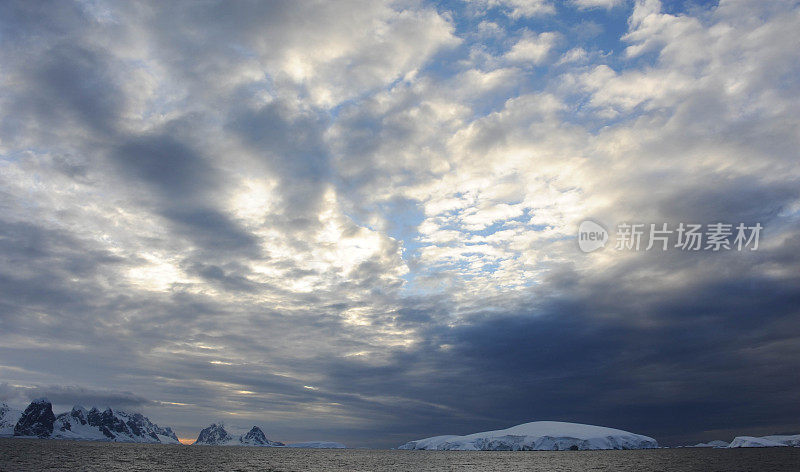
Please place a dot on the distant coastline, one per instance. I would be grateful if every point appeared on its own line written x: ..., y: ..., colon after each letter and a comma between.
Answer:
x: 38, y: 421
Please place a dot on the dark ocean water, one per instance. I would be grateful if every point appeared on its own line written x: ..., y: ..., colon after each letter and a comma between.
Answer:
x: 25, y: 454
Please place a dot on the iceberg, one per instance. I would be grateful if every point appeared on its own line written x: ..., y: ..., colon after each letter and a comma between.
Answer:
x: 716, y: 444
x: 792, y: 440
x: 318, y: 445
x: 539, y: 436
x: 766, y: 441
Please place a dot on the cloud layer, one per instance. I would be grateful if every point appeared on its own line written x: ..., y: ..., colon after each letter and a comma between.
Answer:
x: 356, y: 220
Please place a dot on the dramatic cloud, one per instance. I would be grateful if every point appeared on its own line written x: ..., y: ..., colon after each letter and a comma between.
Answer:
x: 356, y: 220
x: 68, y: 396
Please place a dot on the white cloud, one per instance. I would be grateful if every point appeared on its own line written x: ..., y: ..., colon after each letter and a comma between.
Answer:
x: 587, y: 4
x: 573, y: 55
x: 517, y: 9
x: 533, y: 49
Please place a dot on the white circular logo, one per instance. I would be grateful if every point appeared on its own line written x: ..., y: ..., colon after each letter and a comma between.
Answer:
x: 591, y: 236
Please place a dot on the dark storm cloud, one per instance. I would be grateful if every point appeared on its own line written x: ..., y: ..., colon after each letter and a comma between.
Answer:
x: 607, y: 359
x: 573, y: 361
x: 737, y: 199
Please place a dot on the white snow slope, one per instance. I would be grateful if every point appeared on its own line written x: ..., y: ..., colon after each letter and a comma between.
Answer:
x: 790, y: 440
x: 539, y: 436
x: 8, y: 418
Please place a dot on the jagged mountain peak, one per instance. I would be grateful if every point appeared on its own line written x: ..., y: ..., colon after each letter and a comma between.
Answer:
x: 256, y: 437
x: 216, y: 435
x: 213, y: 435
x: 37, y: 419
x: 255, y: 434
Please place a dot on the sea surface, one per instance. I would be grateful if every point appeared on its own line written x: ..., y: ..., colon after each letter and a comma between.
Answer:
x: 43, y: 455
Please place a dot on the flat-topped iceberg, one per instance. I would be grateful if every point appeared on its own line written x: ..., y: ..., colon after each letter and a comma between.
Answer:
x: 538, y: 436
x: 788, y: 439
x: 715, y: 444
x: 766, y: 441
x: 318, y: 445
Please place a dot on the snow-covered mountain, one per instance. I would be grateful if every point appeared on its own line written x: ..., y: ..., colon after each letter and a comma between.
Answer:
x: 110, y: 425
x: 39, y: 421
x: 215, y: 435
x: 8, y: 419
x: 318, y: 445
x: 539, y: 436
x: 766, y: 441
x: 256, y: 437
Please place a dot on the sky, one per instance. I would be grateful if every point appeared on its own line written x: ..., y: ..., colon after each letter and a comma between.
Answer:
x: 356, y: 221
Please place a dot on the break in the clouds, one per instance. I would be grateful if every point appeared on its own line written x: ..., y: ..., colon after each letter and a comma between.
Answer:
x: 356, y: 220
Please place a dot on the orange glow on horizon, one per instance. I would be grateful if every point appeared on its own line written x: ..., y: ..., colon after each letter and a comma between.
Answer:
x: 186, y: 440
